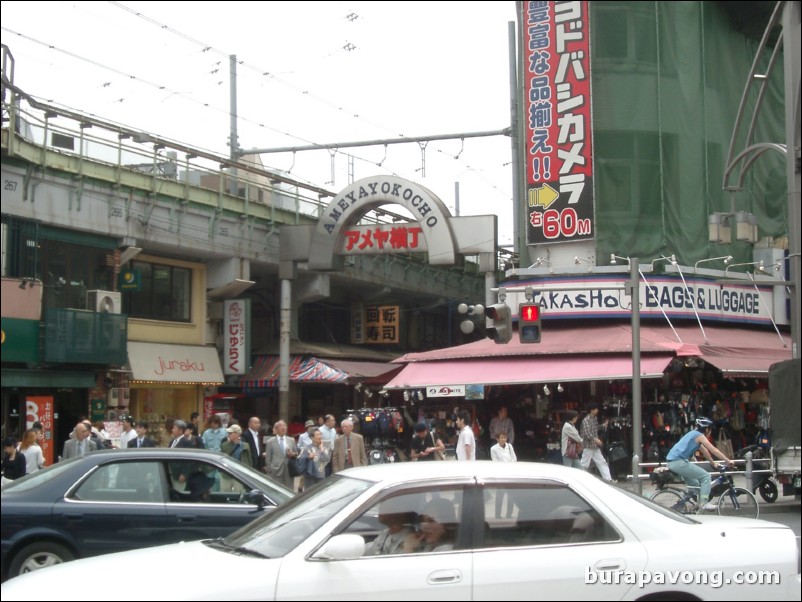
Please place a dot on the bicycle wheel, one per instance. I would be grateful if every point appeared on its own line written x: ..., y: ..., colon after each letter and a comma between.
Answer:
x: 671, y: 499
x: 738, y: 502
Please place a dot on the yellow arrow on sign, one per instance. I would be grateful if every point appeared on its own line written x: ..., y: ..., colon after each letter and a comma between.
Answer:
x: 543, y: 196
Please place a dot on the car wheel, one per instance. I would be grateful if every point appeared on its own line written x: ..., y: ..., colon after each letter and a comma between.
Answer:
x: 38, y: 555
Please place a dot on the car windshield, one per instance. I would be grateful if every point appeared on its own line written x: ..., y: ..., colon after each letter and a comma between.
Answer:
x: 33, y: 480
x: 281, y: 531
x: 278, y: 493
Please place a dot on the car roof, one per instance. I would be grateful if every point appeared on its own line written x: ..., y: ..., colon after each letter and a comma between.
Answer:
x: 147, y: 451
x: 481, y: 470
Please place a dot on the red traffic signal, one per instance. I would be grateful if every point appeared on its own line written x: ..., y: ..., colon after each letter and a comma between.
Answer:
x: 529, y: 323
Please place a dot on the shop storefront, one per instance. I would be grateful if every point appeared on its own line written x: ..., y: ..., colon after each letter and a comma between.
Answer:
x: 168, y: 382
x: 323, y: 385
x: 685, y: 372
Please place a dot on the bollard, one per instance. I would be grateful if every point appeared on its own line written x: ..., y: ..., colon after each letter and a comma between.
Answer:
x: 636, y: 474
x: 749, y: 471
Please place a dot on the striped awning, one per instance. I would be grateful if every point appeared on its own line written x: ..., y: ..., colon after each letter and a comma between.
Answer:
x: 303, y: 369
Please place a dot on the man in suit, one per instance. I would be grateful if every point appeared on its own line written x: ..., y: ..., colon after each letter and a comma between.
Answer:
x: 141, y: 439
x: 252, y: 437
x: 349, y: 448
x: 278, y: 452
x: 80, y: 445
x: 178, y: 431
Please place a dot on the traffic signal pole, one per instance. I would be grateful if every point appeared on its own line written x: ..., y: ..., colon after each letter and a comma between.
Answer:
x: 637, y: 414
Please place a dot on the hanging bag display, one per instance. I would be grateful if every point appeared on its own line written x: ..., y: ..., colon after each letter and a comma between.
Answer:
x: 723, y: 443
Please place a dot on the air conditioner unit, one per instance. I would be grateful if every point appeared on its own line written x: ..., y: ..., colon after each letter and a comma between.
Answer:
x: 109, y: 302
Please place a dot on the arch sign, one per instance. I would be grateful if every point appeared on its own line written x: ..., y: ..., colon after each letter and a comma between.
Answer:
x: 434, y: 230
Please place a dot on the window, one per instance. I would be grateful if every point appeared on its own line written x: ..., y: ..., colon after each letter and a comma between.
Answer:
x: 624, y: 32
x: 199, y: 482
x: 70, y: 270
x: 417, y: 522
x: 164, y: 294
x: 628, y: 171
x: 544, y: 514
x: 127, y: 482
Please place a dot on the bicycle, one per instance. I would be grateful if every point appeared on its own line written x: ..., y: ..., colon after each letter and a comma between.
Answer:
x: 732, y: 500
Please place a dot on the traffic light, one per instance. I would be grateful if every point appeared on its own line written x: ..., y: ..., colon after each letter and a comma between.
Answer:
x: 529, y: 323
x: 501, y: 330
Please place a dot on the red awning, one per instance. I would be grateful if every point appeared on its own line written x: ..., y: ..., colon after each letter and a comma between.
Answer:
x: 265, y: 372
x: 521, y: 370
x: 735, y: 351
x: 748, y: 363
x: 304, y: 369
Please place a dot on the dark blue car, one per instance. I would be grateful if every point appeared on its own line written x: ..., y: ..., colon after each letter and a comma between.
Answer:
x: 116, y: 500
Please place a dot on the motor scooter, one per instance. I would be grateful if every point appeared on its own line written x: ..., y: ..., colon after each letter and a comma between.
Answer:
x: 763, y: 482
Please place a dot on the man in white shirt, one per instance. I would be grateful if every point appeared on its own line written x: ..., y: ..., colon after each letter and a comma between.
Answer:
x: 466, y: 444
x: 128, y: 431
x: 329, y: 432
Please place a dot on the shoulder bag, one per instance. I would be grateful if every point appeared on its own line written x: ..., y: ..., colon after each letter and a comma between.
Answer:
x: 573, y: 449
x: 438, y: 454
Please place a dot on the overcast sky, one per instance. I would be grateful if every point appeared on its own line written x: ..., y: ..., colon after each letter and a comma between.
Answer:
x: 310, y: 72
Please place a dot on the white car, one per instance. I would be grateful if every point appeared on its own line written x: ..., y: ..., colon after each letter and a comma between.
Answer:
x: 454, y: 531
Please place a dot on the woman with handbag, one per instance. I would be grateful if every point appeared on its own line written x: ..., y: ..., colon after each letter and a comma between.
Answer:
x: 571, y: 441
x: 315, y: 457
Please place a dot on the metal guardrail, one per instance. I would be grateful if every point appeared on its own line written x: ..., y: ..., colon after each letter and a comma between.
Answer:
x: 638, y: 477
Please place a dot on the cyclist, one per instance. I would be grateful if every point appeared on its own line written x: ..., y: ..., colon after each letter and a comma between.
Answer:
x: 678, y: 460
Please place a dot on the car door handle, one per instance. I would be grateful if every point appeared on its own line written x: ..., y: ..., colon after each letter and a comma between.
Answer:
x: 186, y: 518
x: 74, y: 517
x: 609, y: 564
x: 447, y: 576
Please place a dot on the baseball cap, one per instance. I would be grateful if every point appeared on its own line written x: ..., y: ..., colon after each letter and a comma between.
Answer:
x: 420, y: 427
x: 234, y: 428
x: 309, y: 423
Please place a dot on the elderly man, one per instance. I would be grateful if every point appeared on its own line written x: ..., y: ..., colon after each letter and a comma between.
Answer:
x: 179, y: 435
x: 79, y: 446
x: 236, y: 447
x: 349, y: 448
x: 329, y: 432
x: 278, y: 451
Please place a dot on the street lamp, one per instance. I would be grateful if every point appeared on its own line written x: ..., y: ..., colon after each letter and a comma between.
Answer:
x: 726, y: 258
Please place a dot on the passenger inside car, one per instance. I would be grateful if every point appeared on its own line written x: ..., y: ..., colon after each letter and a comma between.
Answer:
x: 199, y: 486
x: 437, y: 527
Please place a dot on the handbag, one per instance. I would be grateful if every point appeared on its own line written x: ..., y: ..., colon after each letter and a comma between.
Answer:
x: 724, y: 444
x: 616, y: 452
x: 573, y: 449
x: 296, y: 466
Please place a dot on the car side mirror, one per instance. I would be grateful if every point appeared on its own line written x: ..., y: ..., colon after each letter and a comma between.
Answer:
x: 347, y: 546
x: 256, y: 497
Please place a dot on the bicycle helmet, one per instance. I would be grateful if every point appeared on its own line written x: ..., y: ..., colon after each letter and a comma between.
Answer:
x: 704, y: 423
